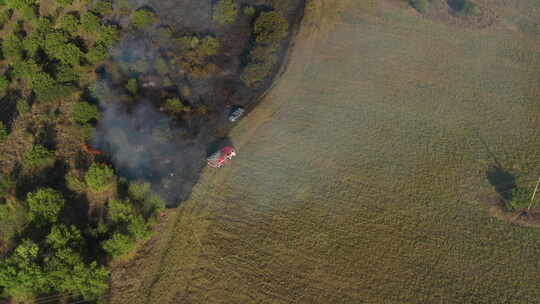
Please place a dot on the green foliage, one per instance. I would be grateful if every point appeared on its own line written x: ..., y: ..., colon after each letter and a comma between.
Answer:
x: 6, y: 186
x: 142, y: 18
x: 465, y: 7
x: 4, y: 17
x: 12, y: 48
x: 161, y: 66
x: 66, y: 73
x: 199, y: 46
x: 32, y: 43
x: 29, y: 13
x: 64, y: 2
x: 90, y: 23
x: 175, y: 105
x: 108, y: 34
x: 99, y: 177
x: 419, y: 5
x: 132, y: 86
x: 103, y: 7
x: 63, y: 236
x: 87, y: 281
x: 23, y: 107
x: 44, y: 206
x: 139, y: 190
x: 120, y: 211
x: 37, y: 156
x: 138, y: 228
x: 148, y: 202
x: 100, y: 90
x: 225, y: 11
x: 20, y: 4
x: 83, y: 112
x: 256, y: 72
x: 270, y: 28
x: 20, y: 275
x: 74, y: 183
x: 519, y: 200
x: 69, y: 23
x: 118, y: 244
x: 56, y: 46
x: 13, y: 215
x: 3, y: 132
x: 249, y: 11
x: 97, y: 54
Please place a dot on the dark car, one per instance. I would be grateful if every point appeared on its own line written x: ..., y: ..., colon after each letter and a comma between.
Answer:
x: 236, y: 113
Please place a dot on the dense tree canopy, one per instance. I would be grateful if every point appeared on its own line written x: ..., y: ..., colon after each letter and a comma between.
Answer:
x: 44, y: 206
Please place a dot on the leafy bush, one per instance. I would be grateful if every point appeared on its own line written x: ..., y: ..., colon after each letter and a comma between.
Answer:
x: 270, y: 28
x: 225, y: 11
x: 175, y: 105
x: 63, y: 236
x: 120, y: 211
x: 90, y: 23
x: 256, y: 72
x: 519, y: 200
x: 23, y: 107
x: 132, y: 86
x: 99, y: 177
x: 139, y: 190
x: 142, y: 18
x: 249, y: 11
x: 44, y: 205
x: 66, y: 73
x: 37, y: 156
x: 12, y: 48
x: 19, y: 4
x: 3, y: 132
x: 6, y: 185
x: 64, y: 2
x: 419, y: 5
x: 83, y: 112
x: 138, y: 228
x: 103, y: 7
x: 108, y: 34
x: 69, y: 23
x: 97, y: 54
x: 118, y: 244
x: 74, y: 183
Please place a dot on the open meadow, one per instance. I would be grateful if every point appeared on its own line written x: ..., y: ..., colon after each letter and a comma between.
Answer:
x: 362, y: 177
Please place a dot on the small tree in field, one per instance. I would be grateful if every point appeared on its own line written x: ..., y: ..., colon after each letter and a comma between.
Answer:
x: 99, y: 177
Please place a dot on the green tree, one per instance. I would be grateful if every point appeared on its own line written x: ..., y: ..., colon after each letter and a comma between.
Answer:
x: 119, y: 211
x: 63, y: 236
x: 138, y: 228
x: 103, y: 7
x: 249, y: 11
x: 83, y: 112
x: 132, y: 86
x: 6, y: 185
x: 64, y: 2
x: 19, y: 4
x: 32, y: 43
x: 118, y: 244
x: 225, y: 11
x: 90, y: 23
x: 20, y: 275
x: 12, y: 48
x: 23, y: 107
x: 97, y: 54
x: 270, y: 28
x: 142, y: 18
x: 69, y: 23
x: 108, y: 34
x: 44, y: 206
x: 37, y: 156
x: 99, y: 177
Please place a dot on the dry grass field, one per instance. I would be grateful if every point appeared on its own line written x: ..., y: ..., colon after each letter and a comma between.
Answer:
x: 361, y: 178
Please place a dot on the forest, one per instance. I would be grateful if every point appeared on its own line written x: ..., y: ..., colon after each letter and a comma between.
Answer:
x: 69, y: 206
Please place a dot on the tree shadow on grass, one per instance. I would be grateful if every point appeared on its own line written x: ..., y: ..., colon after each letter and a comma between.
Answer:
x: 502, y: 180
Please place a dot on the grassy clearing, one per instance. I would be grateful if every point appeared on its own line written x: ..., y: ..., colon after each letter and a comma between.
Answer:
x: 399, y: 120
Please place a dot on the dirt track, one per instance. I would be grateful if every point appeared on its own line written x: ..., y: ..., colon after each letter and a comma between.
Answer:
x: 358, y: 177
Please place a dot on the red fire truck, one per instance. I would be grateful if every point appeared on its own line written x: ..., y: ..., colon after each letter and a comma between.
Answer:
x: 221, y: 157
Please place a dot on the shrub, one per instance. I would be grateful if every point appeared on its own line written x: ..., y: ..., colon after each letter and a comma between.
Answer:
x: 118, y: 244
x: 23, y: 107
x: 270, y: 28
x: 120, y: 211
x: 90, y: 23
x: 255, y: 73
x: 519, y: 200
x: 37, y: 156
x: 69, y: 23
x: 138, y: 228
x: 97, y: 54
x: 132, y: 86
x: 99, y: 177
x: 74, y: 183
x: 108, y: 34
x: 63, y: 236
x: 249, y: 11
x: 419, y: 5
x: 3, y: 132
x: 64, y: 2
x: 19, y: 4
x: 175, y: 105
x: 103, y: 7
x: 66, y: 73
x: 142, y: 18
x: 44, y: 206
x: 12, y: 48
x: 225, y: 11
x: 83, y: 112
x: 6, y: 186
x: 139, y: 190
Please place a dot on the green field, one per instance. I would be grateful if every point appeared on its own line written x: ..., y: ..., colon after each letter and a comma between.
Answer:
x: 361, y: 178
